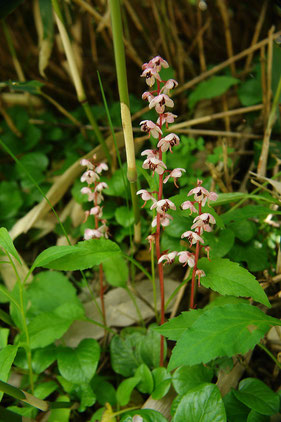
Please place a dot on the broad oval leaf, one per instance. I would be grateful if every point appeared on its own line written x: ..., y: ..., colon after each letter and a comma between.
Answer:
x: 186, y: 378
x: 229, y: 278
x: 221, y: 331
x: 7, y: 244
x: 79, y: 257
x: 162, y: 382
x: 147, y: 415
x: 125, y: 390
x: 258, y: 396
x: 201, y: 404
x: 79, y: 365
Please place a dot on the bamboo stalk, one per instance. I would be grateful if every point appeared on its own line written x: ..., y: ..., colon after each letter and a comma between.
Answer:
x: 125, y: 110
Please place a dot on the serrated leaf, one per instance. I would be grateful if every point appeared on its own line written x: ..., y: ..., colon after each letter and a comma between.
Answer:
x: 202, y: 404
x: 7, y: 244
x: 186, y: 378
x: 79, y: 365
x: 229, y: 278
x: 257, y: 396
x: 175, y: 327
x: 221, y: 331
x: 79, y: 257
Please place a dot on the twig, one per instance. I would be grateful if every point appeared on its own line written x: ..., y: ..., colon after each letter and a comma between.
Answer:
x: 200, y: 41
x: 208, y: 132
x: 225, y: 18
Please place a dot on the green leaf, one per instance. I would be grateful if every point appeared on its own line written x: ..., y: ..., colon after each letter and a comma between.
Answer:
x: 7, y: 415
x: 123, y: 354
x: 249, y: 211
x: 213, y: 87
x: 202, y: 404
x: 8, y: 7
x: 226, y: 198
x: 104, y: 391
x: 7, y: 244
x: 221, y: 331
x: 34, y: 163
x: 33, y: 87
x: 235, y: 410
x: 4, y: 334
x: 254, y: 253
x: 146, y: 379
x: 257, y: 417
x: 116, y: 271
x: 244, y: 230
x: 150, y: 348
x: 44, y: 389
x: 60, y: 415
x: 49, y: 290
x: 187, y: 377
x: 124, y: 216
x: 10, y: 200
x: 147, y: 415
x: 86, y: 396
x: 116, y: 185
x: 257, y: 396
x: 175, y: 327
x: 47, y: 327
x: 43, y: 358
x: 79, y: 257
x: 79, y: 365
x: 229, y: 278
x: 162, y: 382
x: 7, y: 356
x: 125, y: 390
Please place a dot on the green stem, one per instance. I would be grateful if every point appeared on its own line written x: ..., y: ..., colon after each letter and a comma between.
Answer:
x: 119, y: 53
x: 270, y: 354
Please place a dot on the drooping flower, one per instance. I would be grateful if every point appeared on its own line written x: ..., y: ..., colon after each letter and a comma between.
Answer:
x: 167, y: 118
x: 157, y: 62
x: 204, y: 220
x: 163, y: 206
x: 147, y: 96
x: 100, y: 186
x: 97, y: 211
x: 164, y: 220
x: 200, y: 273
x: 92, y: 234
x: 89, y: 176
x: 175, y: 174
x: 87, y: 191
x: 186, y: 258
x: 188, y: 205
x: 151, y: 153
x: 168, y: 142
x: 192, y: 237
x: 160, y: 101
x: 155, y: 165
x: 150, y: 75
x: 151, y: 128
x: 87, y: 163
x: 201, y: 194
x: 101, y: 167
x: 168, y: 258
x: 170, y: 84
x: 145, y: 196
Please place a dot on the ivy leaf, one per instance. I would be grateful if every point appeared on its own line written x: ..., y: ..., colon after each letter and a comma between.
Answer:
x: 229, y: 278
x: 221, y: 331
x: 79, y: 257
x: 258, y: 396
x: 201, y: 404
x: 79, y: 365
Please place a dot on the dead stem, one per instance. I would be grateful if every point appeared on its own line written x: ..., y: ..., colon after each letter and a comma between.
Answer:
x: 225, y: 17
x: 200, y: 40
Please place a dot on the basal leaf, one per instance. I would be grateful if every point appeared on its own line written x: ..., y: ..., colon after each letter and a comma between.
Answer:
x: 162, y: 382
x: 125, y: 389
x: 221, y: 331
x: 186, y: 378
x: 116, y: 271
x: 146, y: 415
x: 79, y: 257
x: 229, y: 278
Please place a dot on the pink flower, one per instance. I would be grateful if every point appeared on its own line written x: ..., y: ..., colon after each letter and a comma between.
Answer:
x: 151, y: 128
x: 100, y: 186
x: 192, y: 237
x: 89, y: 176
x: 89, y: 192
x: 101, y: 167
x: 203, y: 221
x: 157, y: 62
x: 186, y: 258
x: 155, y: 165
x: 87, y: 163
x: 169, y: 258
x: 175, y: 174
x: 160, y: 102
x: 200, y: 273
x: 96, y: 211
x: 146, y: 196
x: 151, y: 240
x: 150, y: 76
x: 163, y: 205
x: 151, y: 153
x: 201, y: 194
x: 189, y: 205
x: 166, y: 118
x: 168, y: 142
x: 164, y: 220
x: 92, y: 234
x: 170, y: 84
x: 147, y: 96
x: 104, y: 230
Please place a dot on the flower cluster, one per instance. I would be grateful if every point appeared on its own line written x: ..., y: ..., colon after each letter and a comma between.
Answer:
x: 94, y: 190
x: 159, y: 99
x: 202, y: 222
